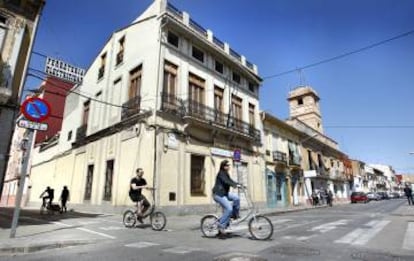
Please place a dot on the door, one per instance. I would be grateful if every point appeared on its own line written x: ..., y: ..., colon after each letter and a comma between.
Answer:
x: 109, y: 174
x: 270, y: 189
x: 88, y: 184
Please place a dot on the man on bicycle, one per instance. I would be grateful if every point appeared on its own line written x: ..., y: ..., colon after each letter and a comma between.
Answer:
x: 222, y: 196
x: 135, y: 193
x: 50, y: 195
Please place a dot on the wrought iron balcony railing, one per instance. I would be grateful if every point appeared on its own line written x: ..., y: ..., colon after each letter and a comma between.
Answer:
x: 197, y: 110
x: 279, y: 156
x: 131, y: 107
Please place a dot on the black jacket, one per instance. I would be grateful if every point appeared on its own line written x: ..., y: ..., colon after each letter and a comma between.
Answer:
x: 223, y: 182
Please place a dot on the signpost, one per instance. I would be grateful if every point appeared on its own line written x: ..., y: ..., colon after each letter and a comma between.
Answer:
x: 35, y: 110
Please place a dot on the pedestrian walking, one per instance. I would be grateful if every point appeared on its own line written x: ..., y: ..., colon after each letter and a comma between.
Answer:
x: 315, y: 199
x: 64, y: 197
x: 329, y: 197
x: 409, y: 194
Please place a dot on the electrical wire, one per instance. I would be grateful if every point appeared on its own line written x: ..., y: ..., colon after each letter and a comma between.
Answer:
x: 341, y: 55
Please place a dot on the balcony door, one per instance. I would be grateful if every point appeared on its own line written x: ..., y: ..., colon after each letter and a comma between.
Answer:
x: 218, y: 105
x: 196, y: 95
x: 236, y: 112
x: 169, y: 91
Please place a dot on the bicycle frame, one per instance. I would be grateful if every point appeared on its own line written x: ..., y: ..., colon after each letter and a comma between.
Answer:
x: 250, y: 206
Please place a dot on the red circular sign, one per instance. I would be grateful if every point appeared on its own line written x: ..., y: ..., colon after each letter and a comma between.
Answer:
x: 35, y: 109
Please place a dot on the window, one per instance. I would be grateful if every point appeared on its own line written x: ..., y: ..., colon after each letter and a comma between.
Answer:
x: 236, y: 107
x: 120, y: 54
x: 86, y: 107
x: 196, y: 94
x: 300, y: 101
x: 172, y: 39
x: 218, y: 104
x: 3, y: 30
x: 219, y: 67
x: 109, y: 175
x: 102, y: 68
x: 69, y: 135
x: 311, y: 165
x: 332, y: 163
x: 251, y: 114
x: 135, y: 77
x: 198, y: 54
x: 169, y: 86
x: 320, y: 163
x: 88, y: 183
x: 197, y: 175
x: 236, y: 77
x: 252, y: 87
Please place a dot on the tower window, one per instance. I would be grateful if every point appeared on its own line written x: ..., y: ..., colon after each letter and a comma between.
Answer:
x: 300, y: 101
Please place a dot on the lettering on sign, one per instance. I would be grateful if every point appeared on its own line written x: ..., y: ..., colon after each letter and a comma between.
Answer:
x: 23, y: 123
x: 64, y: 70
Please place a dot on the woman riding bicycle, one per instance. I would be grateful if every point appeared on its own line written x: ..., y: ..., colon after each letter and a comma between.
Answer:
x: 222, y: 196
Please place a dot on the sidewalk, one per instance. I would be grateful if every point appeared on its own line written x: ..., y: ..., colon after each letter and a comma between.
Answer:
x: 37, y: 232
x: 404, y: 210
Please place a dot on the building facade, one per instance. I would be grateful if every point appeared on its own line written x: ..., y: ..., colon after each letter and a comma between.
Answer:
x: 283, y: 163
x: 18, y: 23
x: 169, y: 97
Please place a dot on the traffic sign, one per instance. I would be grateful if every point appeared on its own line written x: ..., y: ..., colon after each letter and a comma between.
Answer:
x: 237, y: 155
x: 35, y: 109
x: 23, y: 123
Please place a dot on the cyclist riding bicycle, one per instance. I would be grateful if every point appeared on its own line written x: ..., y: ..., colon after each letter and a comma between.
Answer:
x: 135, y: 193
x: 50, y: 195
x: 222, y: 196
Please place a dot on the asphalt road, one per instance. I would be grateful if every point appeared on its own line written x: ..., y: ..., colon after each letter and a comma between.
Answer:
x: 346, y: 232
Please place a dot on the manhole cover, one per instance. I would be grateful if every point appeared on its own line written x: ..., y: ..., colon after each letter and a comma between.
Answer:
x: 296, y: 251
x: 365, y: 256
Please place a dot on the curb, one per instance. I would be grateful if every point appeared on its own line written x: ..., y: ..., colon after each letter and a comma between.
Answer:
x: 275, y: 213
x: 25, y: 249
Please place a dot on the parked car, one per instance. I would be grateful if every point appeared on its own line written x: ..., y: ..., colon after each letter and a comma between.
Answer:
x: 373, y: 196
x: 383, y: 195
x: 359, y: 197
x: 394, y: 195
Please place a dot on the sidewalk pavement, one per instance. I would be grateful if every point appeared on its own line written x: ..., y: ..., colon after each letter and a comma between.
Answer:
x: 404, y: 210
x: 36, y: 232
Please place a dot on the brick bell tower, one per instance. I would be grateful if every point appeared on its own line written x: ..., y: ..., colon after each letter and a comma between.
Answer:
x: 304, y: 105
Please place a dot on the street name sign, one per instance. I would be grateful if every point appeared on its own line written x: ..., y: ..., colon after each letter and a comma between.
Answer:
x: 24, y: 123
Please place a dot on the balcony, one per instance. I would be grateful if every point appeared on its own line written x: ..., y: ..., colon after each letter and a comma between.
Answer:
x: 294, y: 161
x: 211, y: 116
x: 131, y: 107
x: 279, y: 156
x: 81, y: 133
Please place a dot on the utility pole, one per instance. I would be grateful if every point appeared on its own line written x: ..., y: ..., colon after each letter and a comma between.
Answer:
x: 26, y: 147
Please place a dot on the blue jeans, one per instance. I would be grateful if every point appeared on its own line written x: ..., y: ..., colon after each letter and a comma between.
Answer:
x: 227, y: 207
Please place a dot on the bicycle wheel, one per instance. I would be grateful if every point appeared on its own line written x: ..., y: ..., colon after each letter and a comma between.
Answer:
x: 129, y: 218
x: 209, y: 226
x: 42, y: 210
x: 158, y: 221
x: 260, y: 227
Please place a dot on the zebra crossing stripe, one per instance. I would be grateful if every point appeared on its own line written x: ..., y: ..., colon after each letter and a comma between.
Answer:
x: 142, y: 244
x: 329, y: 226
x: 370, y: 233
x: 409, y: 237
x: 180, y: 250
x: 361, y: 236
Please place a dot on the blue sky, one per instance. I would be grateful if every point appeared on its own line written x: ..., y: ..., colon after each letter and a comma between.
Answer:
x: 366, y: 98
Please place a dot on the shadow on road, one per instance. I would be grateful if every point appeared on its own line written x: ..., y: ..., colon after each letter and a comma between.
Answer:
x: 33, y: 217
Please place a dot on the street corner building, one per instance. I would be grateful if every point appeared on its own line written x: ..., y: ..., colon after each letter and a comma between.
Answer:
x: 168, y: 97
x: 18, y: 24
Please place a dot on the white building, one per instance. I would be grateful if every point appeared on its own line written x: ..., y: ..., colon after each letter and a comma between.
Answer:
x: 165, y: 95
x: 389, y: 173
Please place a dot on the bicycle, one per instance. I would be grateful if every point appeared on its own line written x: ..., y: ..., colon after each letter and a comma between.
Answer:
x: 260, y: 227
x: 50, y: 208
x: 157, y: 218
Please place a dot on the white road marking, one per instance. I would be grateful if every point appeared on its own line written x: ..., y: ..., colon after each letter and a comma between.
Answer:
x: 350, y: 237
x: 84, y: 229
x: 180, y: 250
x: 88, y: 222
x: 329, y: 226
x: 361, y: 236
x: 409, y: 237
x: 303, y: 238
x: 94, y: 232
x: 111, y: 228
x: 370, y: 233
x: 142, y: 244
